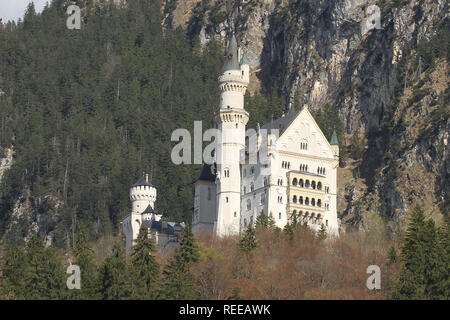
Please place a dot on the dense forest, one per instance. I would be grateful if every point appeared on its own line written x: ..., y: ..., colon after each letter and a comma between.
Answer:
x: 87, y: 111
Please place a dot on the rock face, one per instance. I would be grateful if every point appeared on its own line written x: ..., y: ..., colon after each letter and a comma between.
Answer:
x: 352, y: 54
x: 6, y: 161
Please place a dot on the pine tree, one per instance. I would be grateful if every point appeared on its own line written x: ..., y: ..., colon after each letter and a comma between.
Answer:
x: 322, y: 234
x: 178, y: 282
x: 84, y: 259
x: 392, y: 256
x: 145, y: 268
x: 424, y: 273
x: 248, y: 243
x: 289, y: 230
x: 113, y: 276
x: 264, y: 221
x: 15, y: 272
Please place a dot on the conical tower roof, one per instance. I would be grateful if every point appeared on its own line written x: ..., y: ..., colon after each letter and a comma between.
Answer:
x: 231, y: 60
x: 334, y: 140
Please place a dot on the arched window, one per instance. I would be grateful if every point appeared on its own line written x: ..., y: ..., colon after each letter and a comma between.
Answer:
x: 307, y: 201
x: 294, y: 181
x: 313, y: 202
x: 279, y: 215
x: 307, y: 185
x: 304, y: 145
x: 301, y: 200
x: 301, y: 183
x: 252, y: 187
x: 294, y: 199
x: 226, y: 199
x: 249, y: 204
x: 319, y: 186
x: 319, y: 203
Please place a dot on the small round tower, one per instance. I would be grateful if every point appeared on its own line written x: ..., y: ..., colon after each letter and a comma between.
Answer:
x: 142, y: 195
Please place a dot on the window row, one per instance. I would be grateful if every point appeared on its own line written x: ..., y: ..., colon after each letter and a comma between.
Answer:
x: 307, y: 201
x: 285, y: 164
x: 321, y: 170
x: 304, y: 145
x: 303, y: 167
x: 309, y: 217
x: 307, y: 184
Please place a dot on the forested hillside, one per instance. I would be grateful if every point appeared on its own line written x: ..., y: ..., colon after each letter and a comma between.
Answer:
x: 87, y: 111
x: 83, y: 113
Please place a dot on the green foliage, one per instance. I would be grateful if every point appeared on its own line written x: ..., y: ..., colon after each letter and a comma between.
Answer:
x: 178, y: 282
x: 114, y: 276
x: 322, y: 234
x: 356, y: 147
x: 84, y: 259
x: 264, y: 221
x: 91, y: 109
x: 425, y: 260
x: 248, y: 243
x: 35, y: 272
x: 393, y: 257
x: 145, y: 268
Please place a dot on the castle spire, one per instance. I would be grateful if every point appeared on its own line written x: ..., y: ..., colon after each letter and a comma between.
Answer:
x: 231, y: 60
x: 334, y: 140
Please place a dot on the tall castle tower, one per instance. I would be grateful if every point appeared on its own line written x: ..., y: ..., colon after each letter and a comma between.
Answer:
x: 231, y: 120
x: 143, y: 197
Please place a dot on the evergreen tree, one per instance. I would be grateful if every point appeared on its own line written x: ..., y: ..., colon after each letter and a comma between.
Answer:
x: 322, y: 234
x: 392, y: 256
x: 84, y: 259
x: 424, y: 273
x: 289, y: 230
x: 113, y: 276
x: 145, y: 268
x: 178, y: 282
x: 248, y: 243
x: 264, y: 221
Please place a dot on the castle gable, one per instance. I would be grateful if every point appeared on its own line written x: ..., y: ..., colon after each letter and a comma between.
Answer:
x: 302, y: 135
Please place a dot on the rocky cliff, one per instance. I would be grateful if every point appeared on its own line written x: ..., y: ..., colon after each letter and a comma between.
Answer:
x: 381, y: 65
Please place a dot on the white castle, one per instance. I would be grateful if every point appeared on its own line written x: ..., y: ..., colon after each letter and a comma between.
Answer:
x: 143, y: 197
x: 284, y: 168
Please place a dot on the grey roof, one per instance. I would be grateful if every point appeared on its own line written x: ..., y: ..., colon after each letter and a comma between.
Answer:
x: 231, y: 60
x: 143, y: 181
x: 149, y: 209
x: 206, y: 174
x: 157, y: 225
x: 334, y: 140
x: 244, y: 59
x: 282, y: 123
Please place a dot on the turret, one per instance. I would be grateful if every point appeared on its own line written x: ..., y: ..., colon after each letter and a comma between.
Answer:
x: 142, y: 194
x: 234, y: 79
x: 335, y: 144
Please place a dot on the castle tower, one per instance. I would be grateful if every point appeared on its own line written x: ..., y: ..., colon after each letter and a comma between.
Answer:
x: 143, y: 197
x: 231, y: 120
